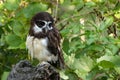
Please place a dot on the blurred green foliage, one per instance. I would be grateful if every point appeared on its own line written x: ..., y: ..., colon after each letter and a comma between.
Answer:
x: 90, y: 31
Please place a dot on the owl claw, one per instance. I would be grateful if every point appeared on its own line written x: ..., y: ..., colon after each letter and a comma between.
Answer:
x: 43, y: 64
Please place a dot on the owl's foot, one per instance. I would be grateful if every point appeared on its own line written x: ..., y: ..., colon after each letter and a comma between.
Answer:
x: 43, y: 64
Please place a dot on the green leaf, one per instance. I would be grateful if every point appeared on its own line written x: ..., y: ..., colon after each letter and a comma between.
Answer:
x: 92, y: 39
x: 111, y: 59
x: 72, y: 76
x: 5, y: 75
x: 108, y: 21
x: 18, y: 29
x: 1, y: 6
x: 81, y: 66
x: 66, y: 45
x: 11, y: 4
x: 117, y: 15
x: 63, y: 75
x: 64, y: 32
x: 33, y: 8
x: 13, y: 40
x: 22, y: 45
x: 113, y: 48
x: 106, y: 64
x: 117, y: 69
x: 90, y: 4
x: 75, y: 27
x: 78, y: 4
x: 84, y: 64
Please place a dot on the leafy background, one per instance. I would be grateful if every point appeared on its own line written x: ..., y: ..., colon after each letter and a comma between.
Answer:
x: 90, y: 31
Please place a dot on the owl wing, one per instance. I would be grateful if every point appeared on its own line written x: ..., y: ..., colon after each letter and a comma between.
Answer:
x: 54, y: 38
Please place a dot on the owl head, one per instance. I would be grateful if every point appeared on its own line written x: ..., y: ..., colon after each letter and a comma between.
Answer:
x: 41, y: 23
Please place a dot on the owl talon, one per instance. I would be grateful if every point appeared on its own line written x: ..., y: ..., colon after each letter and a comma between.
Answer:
x: 43, y: 64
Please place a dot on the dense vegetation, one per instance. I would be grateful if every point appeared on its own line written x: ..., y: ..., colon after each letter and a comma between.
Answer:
x: 90, y: 35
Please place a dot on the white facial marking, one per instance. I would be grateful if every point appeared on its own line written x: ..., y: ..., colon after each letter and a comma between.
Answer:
x: 37, y: 29
x: 49, y: 27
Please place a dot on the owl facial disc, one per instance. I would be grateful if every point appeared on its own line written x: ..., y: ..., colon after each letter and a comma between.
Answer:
x: 41, y: 25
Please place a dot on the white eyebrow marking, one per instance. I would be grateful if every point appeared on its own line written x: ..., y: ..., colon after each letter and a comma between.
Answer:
x: 37, y: 29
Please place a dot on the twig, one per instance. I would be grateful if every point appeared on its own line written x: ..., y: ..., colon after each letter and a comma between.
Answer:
x: 63, y: 26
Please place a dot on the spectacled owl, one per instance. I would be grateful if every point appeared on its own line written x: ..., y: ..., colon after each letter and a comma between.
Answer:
x: 43, y: 40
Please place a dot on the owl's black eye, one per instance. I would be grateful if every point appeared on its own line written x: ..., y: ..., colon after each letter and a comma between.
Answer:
x: 50, y: 24
x: 40, y: 23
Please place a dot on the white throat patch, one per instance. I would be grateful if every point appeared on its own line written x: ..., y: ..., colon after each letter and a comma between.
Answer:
x: 38, y: 49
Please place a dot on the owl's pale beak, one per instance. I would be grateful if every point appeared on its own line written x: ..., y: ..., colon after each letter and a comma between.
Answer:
x: 46, y: 28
